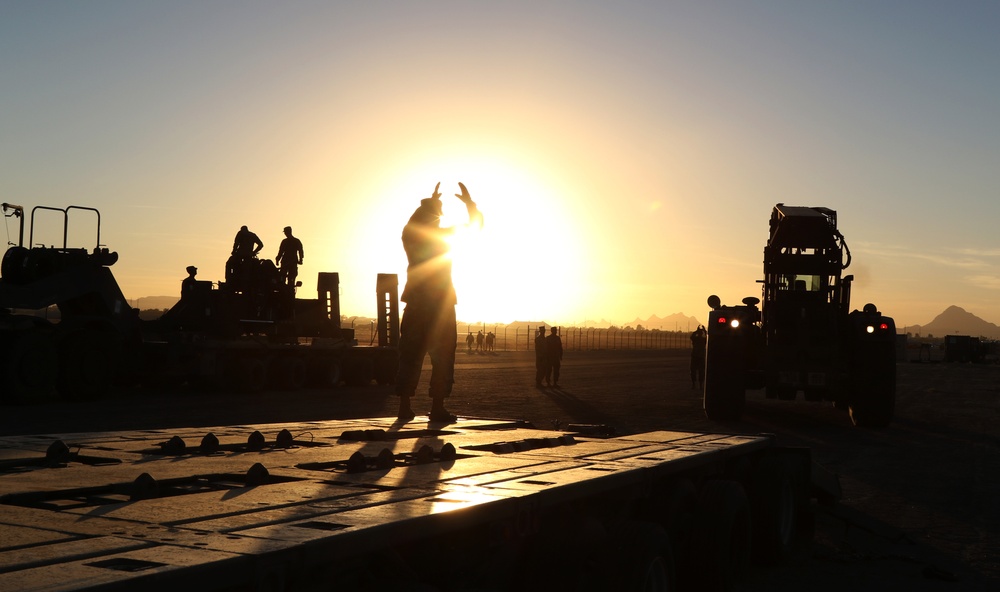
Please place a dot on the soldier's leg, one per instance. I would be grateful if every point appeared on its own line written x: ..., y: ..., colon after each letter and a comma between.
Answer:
x: 413, y: 334
x: 442, y: 348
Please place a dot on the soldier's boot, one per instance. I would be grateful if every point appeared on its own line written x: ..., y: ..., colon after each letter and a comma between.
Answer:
x: 405, y: 412
x: 439, y: 413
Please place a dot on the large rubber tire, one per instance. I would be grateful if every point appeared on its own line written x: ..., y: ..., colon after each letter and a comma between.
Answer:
x: 722, y: 537
x: 325, y: 372
x: 386, y: 366
x: 28, y: 363
x: 287, y: 372
x: 87, y: 361
x: 678, y: 506
x: 642, y: 557
x: 873, y: 387
x: 359, y: 371
x: 779, y: 499
x: 724, y: 395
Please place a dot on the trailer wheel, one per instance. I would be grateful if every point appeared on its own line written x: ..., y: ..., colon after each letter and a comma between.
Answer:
x: 721, y: 538
x: 287, y: 373
x: 779, y: 496
x: 679, y: 503
x: 386, y: 366
x: 245, y: 374
x: 873, y: 392
x: 724, y: 398
x: 359, y: 371
x: 643, y: 558
x: 86, y: 364
x: 29, y: 368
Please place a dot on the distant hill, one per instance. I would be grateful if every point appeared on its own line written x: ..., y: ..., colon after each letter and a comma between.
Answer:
x: 955, y: 321
x: 155, y: 302
x: 675, y: 322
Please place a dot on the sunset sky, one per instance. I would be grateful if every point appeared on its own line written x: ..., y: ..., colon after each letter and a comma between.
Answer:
x: 626, y: 155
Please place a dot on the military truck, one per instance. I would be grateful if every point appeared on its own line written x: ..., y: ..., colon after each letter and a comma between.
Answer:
x: 244, y: 333
x: 802, y: 337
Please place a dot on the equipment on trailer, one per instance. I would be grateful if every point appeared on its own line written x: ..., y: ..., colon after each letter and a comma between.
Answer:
x: 802, y: 337
x: 245, y: 333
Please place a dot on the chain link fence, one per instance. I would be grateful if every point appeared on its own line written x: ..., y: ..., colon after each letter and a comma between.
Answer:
x: 521, y: 337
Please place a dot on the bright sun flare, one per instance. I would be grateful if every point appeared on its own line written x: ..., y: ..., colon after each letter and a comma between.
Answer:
x: 523, y: 264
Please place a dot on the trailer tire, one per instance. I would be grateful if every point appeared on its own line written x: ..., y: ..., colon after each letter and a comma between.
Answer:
x: 29, y: 368
x: 679, y: 504
x: 287, y: 373
x: 86, y: 364
x: 244, y: 374
x: 386, y: 366
x: 359, y: 371
x: 873, y: 388
x: 779, y: 499
x: 642, y: 559
x: 724, y: 397
x: 722, y: 536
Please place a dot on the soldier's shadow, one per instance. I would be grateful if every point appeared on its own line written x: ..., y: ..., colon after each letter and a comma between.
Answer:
x: 576, y: 408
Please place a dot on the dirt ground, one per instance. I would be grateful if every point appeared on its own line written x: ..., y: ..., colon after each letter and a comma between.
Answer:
x: 919, y: 508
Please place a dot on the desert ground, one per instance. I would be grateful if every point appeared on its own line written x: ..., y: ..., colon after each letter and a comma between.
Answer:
x: 919, y: 504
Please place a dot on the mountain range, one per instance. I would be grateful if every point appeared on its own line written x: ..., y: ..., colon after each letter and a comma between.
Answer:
x: 953, y: 321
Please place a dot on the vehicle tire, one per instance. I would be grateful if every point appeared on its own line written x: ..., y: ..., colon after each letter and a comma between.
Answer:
x: 779, y: 504
x: 679, y: 504
x: 86, y: 364
x: 325, y: 372
x: 873, y: 381
x: 724, y: 395
x: 287, y: 373
x: 724, y: 398
x: 244, y: 374
x: 386, y: 366
x: 358, y: 371
x: 29, y: 368
x: 722, y: 537
x: 641, y: 557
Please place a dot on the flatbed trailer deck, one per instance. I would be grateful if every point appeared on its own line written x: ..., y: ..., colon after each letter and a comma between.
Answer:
x: 378, y: 504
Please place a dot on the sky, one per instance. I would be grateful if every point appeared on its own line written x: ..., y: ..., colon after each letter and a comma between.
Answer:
x: 626, y: 155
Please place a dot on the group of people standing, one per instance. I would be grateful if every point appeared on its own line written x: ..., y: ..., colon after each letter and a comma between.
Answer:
x: 483, y: 343
x: 548, y: 357
x: 246, y: 246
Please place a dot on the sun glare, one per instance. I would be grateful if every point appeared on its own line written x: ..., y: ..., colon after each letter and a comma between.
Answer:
x: 523, y: 263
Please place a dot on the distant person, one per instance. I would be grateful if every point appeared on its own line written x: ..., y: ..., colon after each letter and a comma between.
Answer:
x: 699, y: 339
x: 553, y: 356
x: 188, y: 284
x: 290, y: 256
x: 469, y: 341
x: 479, y: 342
x: 490, y: 341
x: 541, y: 363
x: 428, y: 325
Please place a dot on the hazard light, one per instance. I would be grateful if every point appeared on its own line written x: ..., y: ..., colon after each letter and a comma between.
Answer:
x: 735, y: 323
x: 870, y: 329
x: 884, y: 326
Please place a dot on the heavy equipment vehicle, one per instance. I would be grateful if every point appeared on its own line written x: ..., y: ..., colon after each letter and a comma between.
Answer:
x: 802, y: 337
x: 244, y: 333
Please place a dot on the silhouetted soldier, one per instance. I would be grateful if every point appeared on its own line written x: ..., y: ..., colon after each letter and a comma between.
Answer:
x: 290, y: 256
x: 188, y: 284
x: 246, y: 245
x: 428, y: 325
x: 699, y: 339
x: 553, y: 356
x: 541, y: 364
x: 469, y: 341
x: 479, y: 342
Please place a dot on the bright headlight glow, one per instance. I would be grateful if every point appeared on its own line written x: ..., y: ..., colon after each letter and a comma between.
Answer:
x: 870, y: 329
x: 735, y: 323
